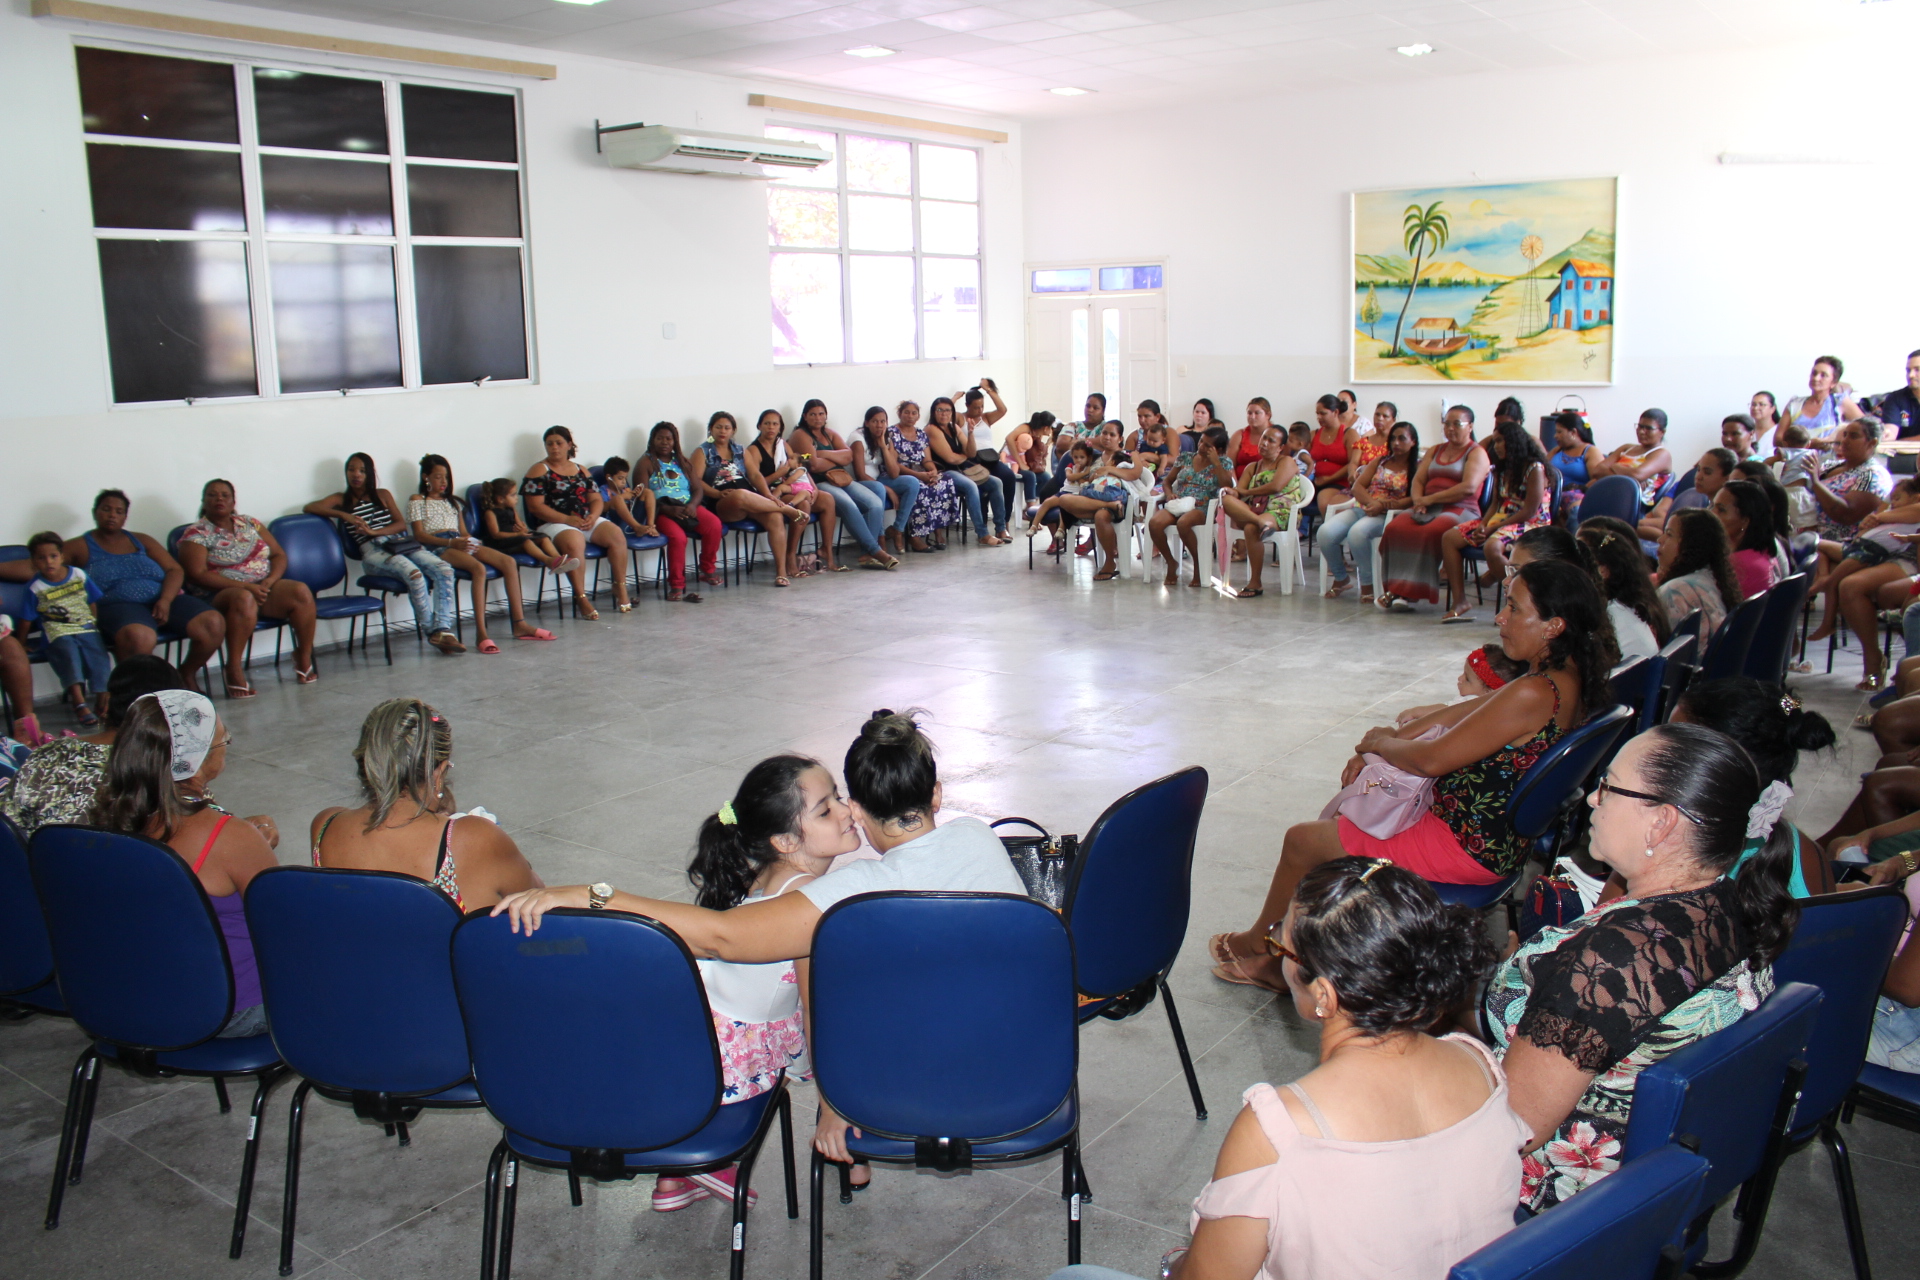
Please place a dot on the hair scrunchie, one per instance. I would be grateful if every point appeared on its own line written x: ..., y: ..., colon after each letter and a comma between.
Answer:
x: 1767, y: 809
x: 726, y: 815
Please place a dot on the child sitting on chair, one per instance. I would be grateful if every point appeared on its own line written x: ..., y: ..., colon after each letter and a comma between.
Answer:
x: 500, y: 528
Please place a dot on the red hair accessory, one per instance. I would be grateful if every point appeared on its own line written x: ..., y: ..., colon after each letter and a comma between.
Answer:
x: 1477, y: 660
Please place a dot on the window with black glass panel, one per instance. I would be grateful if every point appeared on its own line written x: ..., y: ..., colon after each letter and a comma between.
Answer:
x: 268, y: 230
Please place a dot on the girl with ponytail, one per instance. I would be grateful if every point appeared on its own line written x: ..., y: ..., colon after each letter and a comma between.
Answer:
x: 1581, y: 1009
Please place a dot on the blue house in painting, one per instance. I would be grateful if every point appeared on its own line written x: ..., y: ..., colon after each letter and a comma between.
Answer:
x: 1584, y: 297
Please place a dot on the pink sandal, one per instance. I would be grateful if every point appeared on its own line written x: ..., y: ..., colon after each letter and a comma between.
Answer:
x: 488, y: 646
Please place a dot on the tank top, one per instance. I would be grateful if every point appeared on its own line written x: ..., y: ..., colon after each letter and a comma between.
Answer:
x: 1822, y: 422
x: 132, y: 576
x: 1448, y: 474
x: 231, y: 911
x: 1472, y: 800
x: 1650, y: 487
x: 446, y: 877
x: 1249, y: 450
x: 670, y: 482
x: 376, y: 515
x: 1572, y: 467
x: 753, y: 992
x: 1327, y: 458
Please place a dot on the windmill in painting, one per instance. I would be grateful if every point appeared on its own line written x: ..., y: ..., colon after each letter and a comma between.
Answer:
x: 1505, y: 282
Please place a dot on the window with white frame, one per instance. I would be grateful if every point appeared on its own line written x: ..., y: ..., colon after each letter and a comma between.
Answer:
x: 264, y: 230
x: 876, y: 255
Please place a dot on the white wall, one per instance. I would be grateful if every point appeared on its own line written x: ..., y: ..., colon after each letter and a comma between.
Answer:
x: 1734, y: 277
x: 615, y: 254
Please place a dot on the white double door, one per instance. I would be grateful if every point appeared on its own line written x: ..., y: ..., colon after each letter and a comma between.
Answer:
x: 1113, y: 343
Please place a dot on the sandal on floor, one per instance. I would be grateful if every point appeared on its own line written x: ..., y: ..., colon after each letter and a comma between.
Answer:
x: 587, y: 613
x: 712, y: 580
x: 239, y: 690
x: 1864, y: 720
x: 781, y: 582
x: 1106, y: 575
x: 308, y: 676
x: 1800, y: 668
x: 27, y: 729
x: 488, y: 646
x: 666, y: 1200
x: 538, y: 633
x: 1248, y: 593
x: 1873, y: 683
x: 625, y: 606
x: 840, y: 568
x: 1219, y: 948
x: 1234, y: 971
x: 84, y: 715
x: 1338, y: 589
x: 1457, y: 615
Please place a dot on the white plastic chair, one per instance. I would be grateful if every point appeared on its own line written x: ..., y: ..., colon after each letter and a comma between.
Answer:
x: 1326, y: 576
x: 1289, y: 553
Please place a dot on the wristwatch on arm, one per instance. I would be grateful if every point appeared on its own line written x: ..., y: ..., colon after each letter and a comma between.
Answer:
x: 598, y: 895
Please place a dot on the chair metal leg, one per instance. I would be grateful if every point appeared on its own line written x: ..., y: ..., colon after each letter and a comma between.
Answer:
x: 742, y: 1182
x: 573, y: 1188
x: 490, y: 1209
x: 846, y: 1182
x: 244, y: 1199
x: 220, y: 1091
x: 85, y: 1129
x: 1849, y: 1200
x: 509, y: 1201
x: 1756, y: 1196
x: 290, y: 1199
x: 816, y: 1229
x: 1070, y: 1189
x: 83, y: 1069
x: 400, y: 1130
x: 786, y: 1154
x: 1180, y: 1043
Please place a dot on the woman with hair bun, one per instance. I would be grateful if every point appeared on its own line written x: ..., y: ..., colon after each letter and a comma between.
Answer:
x: 408, y: 824
x: 1335, y: 1173
x: 1580, y: 1010
x: 1640, y: 626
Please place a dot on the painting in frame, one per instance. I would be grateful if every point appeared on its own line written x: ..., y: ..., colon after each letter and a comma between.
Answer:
x: 1507, y: 282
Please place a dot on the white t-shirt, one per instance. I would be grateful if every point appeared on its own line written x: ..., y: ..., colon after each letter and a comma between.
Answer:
x: 1631, y: 631
x: 961, y: 856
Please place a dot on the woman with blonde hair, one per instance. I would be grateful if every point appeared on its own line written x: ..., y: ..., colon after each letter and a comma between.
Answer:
x: 408, y: 823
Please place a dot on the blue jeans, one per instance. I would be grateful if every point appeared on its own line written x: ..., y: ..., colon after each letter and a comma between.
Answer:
x: 863, y: 510
x: 80, y: 659
x: 906, y: 491
x: 1357, y: 531
x: 432, y: 607
x: 996, y: 503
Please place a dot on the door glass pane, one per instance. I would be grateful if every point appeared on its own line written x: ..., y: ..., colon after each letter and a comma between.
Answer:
x: 951, y: 305
x: 1071, y: 280
x: 142, y: 96
x: 1110, y: 358
x: 799, y: 217
x: 163, y: 189
x: 320, y: 113
x: 1077, y: 357
x: 879, y: 222
x: 949, y: 228
x: 806, y: 309
x: 882, y: 308
x: 827, y: 175
x: 483, y: 203
x: 877, y: 164
x: 473, y: 319
x: 305, y: 196
x: 459, y: 124
x: 334, y: 319
x: 178, y: 323
x: 949, y: 173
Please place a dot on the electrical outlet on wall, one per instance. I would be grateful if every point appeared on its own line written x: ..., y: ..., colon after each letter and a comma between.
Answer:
x: 1181, y: 370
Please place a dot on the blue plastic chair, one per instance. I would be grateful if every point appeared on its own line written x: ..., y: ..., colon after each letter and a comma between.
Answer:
x: 143, y: 968
x: 593, y: 1046
x: 636, y: 542
x: 1554, y: 786
x: 1616, y: 496
x: 960, y: 1050
x: 375, y: 588
x: 1842, y: 945
x: 359, y: 990
x: 1624, y: 1227
x: 1127, y: 900
x: 1886, y: 1094
x: 1772, y: 645
x: 1733, y: 1093
x: 1474, y: 555
x: 26, y: 956
x: 275, y: 625
x: 1680, y: 667
x: 1637, y: 684
x: 1727, y: 651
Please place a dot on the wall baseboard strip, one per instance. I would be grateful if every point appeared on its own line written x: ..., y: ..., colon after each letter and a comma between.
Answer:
x: 850, y: 113
x: 83, y: 11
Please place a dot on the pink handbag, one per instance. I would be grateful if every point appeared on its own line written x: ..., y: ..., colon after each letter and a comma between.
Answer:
x: 1385, y: 799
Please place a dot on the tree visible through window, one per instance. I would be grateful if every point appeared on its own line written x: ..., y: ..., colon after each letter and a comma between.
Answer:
x: 875, y: 255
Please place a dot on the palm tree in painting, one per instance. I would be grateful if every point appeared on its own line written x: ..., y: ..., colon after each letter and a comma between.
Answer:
x: 1425, y: 230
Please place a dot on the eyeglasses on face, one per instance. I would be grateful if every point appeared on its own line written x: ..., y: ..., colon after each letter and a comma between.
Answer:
x: 1607, y: 788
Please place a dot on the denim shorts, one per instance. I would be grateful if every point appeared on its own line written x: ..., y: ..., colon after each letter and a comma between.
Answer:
x: 1870, y: 554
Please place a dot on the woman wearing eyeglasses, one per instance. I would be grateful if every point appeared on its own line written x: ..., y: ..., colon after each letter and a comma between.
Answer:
x: 1580, y: 1010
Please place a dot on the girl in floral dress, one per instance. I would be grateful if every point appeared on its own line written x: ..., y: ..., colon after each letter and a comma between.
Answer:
x: 781, y: 829
x: 939, y: 502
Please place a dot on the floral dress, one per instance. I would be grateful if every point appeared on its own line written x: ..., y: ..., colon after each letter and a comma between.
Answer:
x: 56, y: 784
x: 1869, y: 475
x: 1475, y: 531
x: 939, y: 503
x: 1616, y: 991
x: 242, y: 555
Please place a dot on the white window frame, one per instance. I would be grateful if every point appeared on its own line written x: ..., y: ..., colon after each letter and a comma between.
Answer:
x: 846, y: 254
x: 402, y: 242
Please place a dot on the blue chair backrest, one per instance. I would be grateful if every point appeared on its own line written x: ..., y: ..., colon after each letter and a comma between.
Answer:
x: 173, y: 539
x: 1772, y: 645
x: 314, y: 553
x: 1679, y: 673
x: 1842, y: 945
x: 14, y: 551
x: 26, y: 957
x: 1674, y: 488
x: 476, y: 500
x: 355, y: 970
x: 1727, y: 651
x: 593, y: 1032
x: 1638, y: 684
x: 1616, y: 496
x: 1129, y: 890
x: 1722, y: 1090
x: 1544, y: 790
x: 1614, y: 1230
x: 139, y: 953
x: 966, y: 1031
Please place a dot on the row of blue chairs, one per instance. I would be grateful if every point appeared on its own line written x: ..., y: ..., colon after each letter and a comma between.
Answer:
x: 591, y: 1041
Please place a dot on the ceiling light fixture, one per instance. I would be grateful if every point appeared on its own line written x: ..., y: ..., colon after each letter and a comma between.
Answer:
x: 1413, y: 50
x: 1068, y: 91
x: 870, y: 51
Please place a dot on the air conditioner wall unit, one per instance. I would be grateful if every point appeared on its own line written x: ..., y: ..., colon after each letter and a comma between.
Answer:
x: 666, y: 149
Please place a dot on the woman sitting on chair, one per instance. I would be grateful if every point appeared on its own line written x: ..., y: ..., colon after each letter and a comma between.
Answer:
x: 1195, y: 481
x: 1580, y: 1010
x: 1382, y: 488
x: 440, y: 524
x: 564, y: 504
x: 1263, y: 501
x: 727, y: 487
x: 1555, y: 622
x: 1103, y: 494
x: 671, y: 477
x: 1696, y: 571
x: 1522, y: 500
x: 372, y: 520
x: 234, y: 564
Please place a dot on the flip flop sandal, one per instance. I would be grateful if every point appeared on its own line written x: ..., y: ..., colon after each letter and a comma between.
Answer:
x: 693, y: 597
x: 310, y: 676
x: 84, y: 715
x: 1338, y: 589
x: 1233, y: 971
x: 1219, y: 950
x: 1248, y: 593
x: 538, y: 633
x: 488, y: 646
x: 839, y: 568
x: 241, y: 691
x: 781, y: 582
x: 712, y: 580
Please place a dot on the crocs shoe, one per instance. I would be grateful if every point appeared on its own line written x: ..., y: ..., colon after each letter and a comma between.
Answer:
x: 665, y: 1201
x: 719, y: 1184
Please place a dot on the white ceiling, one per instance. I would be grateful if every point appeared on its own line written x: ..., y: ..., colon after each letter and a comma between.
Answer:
x: 1000, y: 56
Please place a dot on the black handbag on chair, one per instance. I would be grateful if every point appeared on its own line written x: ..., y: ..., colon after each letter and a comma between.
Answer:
x: 1042, y: 861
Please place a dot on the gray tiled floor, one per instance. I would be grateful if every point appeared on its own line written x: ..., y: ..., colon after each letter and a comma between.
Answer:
x: 1049, y: 695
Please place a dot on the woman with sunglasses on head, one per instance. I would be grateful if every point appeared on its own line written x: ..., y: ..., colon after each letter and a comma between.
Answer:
x: 1580, y: 1010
